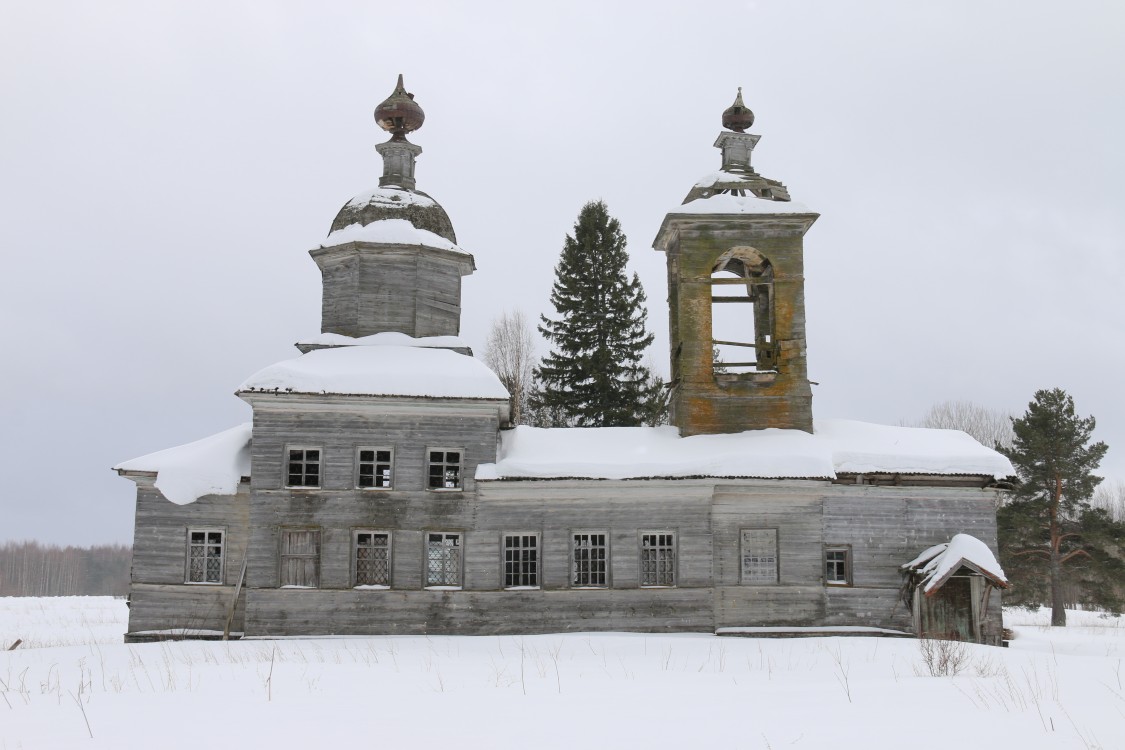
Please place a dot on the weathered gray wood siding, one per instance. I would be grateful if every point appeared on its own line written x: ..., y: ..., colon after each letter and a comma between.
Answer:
x: 883, y: 526
x: 369, y: 288
x: 159, y: 597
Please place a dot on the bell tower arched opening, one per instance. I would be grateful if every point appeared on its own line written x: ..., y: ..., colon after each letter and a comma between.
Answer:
x: 743, y: 336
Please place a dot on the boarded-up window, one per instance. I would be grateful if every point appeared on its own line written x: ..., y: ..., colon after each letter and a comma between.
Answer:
x: 372, y: 558
x: 302, y: 467
x: 444, y: 469
x: 589, y: 566
x: 443, y: 559
x: 759, y: 556
x: 658, y: 559
x: 300, y: 558
x: 205, y: 556
x: 521, y: 560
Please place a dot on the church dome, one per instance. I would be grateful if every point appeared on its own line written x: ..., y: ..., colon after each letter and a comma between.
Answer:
x: 392, y: 202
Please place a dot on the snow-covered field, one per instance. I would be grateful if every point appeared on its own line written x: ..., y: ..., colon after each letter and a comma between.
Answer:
x: 73, y: 678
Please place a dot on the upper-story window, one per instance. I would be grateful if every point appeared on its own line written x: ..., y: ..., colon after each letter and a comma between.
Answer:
x: 374, y: 468
x: 838, y: 565
x: 444, y: 468
x: 742, y: 301
x: 302, y: 466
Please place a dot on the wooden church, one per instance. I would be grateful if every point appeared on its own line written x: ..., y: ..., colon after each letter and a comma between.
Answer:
x: 380, y: 488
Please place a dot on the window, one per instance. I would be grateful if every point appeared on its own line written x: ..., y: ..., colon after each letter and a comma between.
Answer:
x: 372, y: 558
x: 759, y: 556
x: 205, y: 556
x: 589, y: 562
x: 300, y: 558
x: 303, y: 467
x: 658, y: 559
x: 741, y: 303
x: 443, y: 559
x: 521, y: 561
x: 374, y: 468
x: 444, y: 471
x: 838, y: 566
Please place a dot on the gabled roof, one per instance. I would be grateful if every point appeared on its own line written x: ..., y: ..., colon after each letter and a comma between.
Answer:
x: 938, y: 563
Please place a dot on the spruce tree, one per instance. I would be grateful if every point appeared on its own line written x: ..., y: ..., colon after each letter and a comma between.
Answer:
x: 1049, y: 536
x: 593, y: 376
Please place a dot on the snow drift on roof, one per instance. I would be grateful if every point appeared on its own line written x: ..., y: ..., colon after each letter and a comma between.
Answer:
x: 387, y: 338
x: 211, y: 466
x: 725, y: 203
x: 837, y: 446
x: 380, y: 371
x: 940, y: 561
x: 389, y: 232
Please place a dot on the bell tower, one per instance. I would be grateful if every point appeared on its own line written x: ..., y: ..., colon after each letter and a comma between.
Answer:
x: 736, y: 296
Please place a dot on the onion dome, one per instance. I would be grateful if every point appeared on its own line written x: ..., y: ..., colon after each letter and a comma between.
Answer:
x: 399, y: 114
x: 396, y: 203
x: 736, y: 117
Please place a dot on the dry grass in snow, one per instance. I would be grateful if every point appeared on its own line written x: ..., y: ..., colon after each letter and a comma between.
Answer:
x: 73, y: 678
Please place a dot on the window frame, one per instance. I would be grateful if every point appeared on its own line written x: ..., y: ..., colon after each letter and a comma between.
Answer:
x: 847, y: 564
x: 574, y: 572
x: 426, y: 584
x: 304, y: 462
x: 537, y: 563
x: 743, y: 579
x: 374, y: 467
x: 445, y: 467
x: 282, y: 556
x: 222, y: 531
x: 355, y: 559
x: 675, y: 568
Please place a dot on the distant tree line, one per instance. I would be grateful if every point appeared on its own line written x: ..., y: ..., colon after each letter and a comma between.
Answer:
x: 34, y: 569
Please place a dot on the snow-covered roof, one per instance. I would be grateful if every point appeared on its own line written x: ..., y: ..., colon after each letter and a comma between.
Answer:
x: 380, y: 371
x: 725, y: 203
x: 211, y: 466
x: 837, y: 446
x: 387, y: 338
x: 389, y: 232
x: 941, y: 561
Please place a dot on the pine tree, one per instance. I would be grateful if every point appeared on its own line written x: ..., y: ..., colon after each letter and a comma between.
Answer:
x: 593, y: 376
x: 1049, y: 535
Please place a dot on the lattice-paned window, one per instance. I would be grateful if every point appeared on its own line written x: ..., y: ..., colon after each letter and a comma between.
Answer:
x: 302, y: 466
x: 838, y: 565
x: 300, y: 558
x: 372, y: 558
x: 658, y: 559
x: 521, y: 560
x: 205, y: 556
x: 589, y: 560
x: 444, y: 468
x: 443, y: 559
x: 374, y: 468
x: 759, y: 556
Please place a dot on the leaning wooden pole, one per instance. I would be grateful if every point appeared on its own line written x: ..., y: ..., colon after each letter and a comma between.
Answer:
x: 234, y: 600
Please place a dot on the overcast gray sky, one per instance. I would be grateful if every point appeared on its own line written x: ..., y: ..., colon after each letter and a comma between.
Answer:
x: 165, y: 167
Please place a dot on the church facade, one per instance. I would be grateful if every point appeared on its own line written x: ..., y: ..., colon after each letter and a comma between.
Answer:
x: 380, y: 488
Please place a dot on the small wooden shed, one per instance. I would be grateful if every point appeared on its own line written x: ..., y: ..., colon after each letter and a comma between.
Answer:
x: 949, y: 586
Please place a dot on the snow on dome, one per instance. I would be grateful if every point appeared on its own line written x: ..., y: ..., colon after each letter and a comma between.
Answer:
x: 725, y: 203
x: 943, y: 560
x: 836, y: 446
x: 390, y: 232
x: 387, y: 338
x: 211, y: 466
x: 391, y: 197
x: 380, y: 371
x: 861, y: 447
